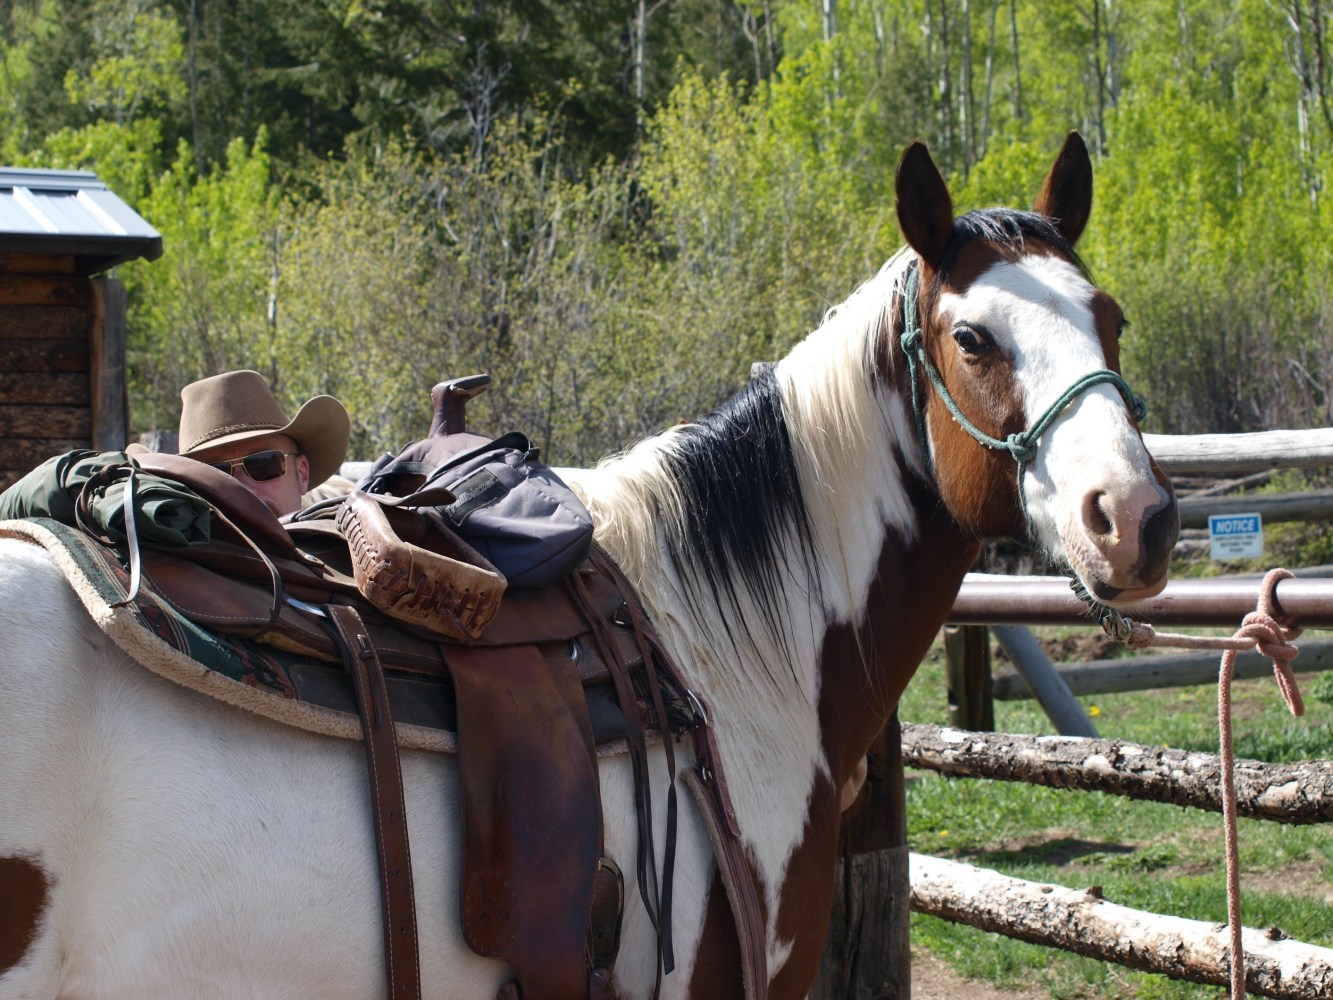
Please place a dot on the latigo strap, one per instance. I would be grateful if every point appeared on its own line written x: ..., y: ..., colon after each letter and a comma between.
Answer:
x: 401, y: 967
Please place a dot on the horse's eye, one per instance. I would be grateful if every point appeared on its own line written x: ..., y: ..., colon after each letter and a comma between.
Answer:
x: 1121, y: 327
x: 971, y: 340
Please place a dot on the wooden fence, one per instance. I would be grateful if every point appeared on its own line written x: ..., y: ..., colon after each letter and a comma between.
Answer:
x: 1079, y: 920
x: 881, y: 880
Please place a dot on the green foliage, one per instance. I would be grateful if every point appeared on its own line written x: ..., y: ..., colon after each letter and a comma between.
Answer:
x: 1322, y: 689
x: 137, y: 71
x: 1298, y: 543
x: 204, y: 307
x: 414, y: 268
x: 582, y: 200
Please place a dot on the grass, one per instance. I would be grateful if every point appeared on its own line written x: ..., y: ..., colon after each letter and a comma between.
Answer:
x: 1153, y: 857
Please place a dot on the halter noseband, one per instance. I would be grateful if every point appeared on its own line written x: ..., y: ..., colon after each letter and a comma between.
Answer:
x: 1022, y: 446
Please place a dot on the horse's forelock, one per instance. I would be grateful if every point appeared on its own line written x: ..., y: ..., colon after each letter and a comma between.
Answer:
x: 1009, y: 231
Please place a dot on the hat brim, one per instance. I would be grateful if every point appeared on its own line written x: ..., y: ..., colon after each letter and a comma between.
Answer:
x: 321, y: 429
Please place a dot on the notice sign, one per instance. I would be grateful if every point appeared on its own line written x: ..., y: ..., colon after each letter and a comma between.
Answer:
x: 1235, y: 536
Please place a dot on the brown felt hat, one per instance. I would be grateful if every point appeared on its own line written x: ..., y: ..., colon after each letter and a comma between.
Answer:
x: 236, y: 406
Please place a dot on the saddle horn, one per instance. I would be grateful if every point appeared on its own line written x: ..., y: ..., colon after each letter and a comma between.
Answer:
x: 450, y: 398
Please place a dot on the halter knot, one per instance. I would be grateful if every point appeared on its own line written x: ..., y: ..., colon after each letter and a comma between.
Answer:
x: 1022, y: 445
x: 910, y: 340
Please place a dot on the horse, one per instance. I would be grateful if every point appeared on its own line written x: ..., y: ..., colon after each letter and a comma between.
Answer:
x: 797, y: 550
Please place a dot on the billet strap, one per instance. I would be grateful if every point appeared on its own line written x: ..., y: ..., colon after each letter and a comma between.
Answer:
x: 702, y: 781
x: 401, y: 966
x: 655, y: 893
x: 707, y: 782
x: 652, y: 653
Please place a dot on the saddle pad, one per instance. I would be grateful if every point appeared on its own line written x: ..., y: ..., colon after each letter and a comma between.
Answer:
x: 260, y: 679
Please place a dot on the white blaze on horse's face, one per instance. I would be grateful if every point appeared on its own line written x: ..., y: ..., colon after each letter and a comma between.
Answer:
x: 1090, y: 491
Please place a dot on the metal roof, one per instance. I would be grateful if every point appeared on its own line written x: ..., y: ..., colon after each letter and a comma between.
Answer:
x: 71, y: 212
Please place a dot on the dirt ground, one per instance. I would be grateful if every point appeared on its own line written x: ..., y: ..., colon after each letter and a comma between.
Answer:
x: 932, y: 979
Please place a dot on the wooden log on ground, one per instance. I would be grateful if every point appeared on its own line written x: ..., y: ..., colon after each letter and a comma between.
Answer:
x: 1165, y: 670
x: 1081, y: 921
x: 1187, y: 454
x: 1297, y: 794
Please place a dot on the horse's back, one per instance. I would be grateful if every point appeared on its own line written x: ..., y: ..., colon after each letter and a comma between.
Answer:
x: 176, y: 835
x: 179, y: 846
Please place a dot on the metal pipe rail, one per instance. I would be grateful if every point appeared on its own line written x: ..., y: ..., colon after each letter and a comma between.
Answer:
x: 985, y: 599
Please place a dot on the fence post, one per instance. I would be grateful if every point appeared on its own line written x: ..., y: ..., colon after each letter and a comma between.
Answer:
x: 967, y: 664
x: 867, y: 954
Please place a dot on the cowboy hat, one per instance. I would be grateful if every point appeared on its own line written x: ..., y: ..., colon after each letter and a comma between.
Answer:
x: 237, y: 406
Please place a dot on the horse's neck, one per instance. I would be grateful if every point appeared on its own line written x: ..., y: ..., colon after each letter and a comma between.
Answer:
x: 865, y: 669
x: 858, y: 603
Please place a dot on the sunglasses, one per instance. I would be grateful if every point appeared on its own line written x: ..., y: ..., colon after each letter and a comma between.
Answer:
x: 262, y: 466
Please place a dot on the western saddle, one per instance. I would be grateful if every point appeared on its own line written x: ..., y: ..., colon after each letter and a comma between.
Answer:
x: 383, y: 590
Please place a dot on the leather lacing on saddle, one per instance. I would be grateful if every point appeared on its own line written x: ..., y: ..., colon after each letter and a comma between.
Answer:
x: 650, y: 691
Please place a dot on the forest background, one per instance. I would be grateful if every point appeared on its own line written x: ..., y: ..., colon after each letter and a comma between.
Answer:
x: 616, y: 207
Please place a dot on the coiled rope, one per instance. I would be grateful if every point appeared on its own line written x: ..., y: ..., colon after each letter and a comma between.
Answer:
x: 1258, y: 629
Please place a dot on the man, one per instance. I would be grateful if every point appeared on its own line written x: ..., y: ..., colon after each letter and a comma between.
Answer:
x: 233, y: 422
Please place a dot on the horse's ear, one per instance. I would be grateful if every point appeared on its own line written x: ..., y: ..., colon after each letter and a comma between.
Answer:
x: 1066, y: 197
x: 925, y: 210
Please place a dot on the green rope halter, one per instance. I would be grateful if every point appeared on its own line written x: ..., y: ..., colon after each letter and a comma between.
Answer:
x: 1022, y: 446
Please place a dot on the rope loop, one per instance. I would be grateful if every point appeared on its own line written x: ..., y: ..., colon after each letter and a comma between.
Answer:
x: 911, y: 340
x: 1022, y: 446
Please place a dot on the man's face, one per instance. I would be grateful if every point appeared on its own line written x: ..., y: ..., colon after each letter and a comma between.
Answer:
x: 283, y: 494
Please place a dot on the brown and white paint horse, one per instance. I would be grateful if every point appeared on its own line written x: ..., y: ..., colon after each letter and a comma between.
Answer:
x: 797, y: 550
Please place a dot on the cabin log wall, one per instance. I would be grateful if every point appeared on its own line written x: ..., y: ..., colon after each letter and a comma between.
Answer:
x: 62, y: 361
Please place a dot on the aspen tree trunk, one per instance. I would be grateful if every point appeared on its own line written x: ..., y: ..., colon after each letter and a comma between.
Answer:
x: 966, y: 124
x: 1018, y: 73
x: 990, y: 80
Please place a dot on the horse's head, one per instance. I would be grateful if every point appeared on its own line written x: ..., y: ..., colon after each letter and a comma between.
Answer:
x: 1013, y: 356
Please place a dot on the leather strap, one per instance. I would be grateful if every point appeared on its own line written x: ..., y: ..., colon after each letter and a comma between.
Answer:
x: 401, y: 966
x: 708, y: 783
x: 531, y: 815
x: 736, y: 878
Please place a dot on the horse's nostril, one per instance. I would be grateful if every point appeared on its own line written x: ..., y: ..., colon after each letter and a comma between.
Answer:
x: 1159, y: 540
x: 1094, y: 517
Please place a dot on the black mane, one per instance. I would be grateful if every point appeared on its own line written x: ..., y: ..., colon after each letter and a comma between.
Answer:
x: 745, y: 515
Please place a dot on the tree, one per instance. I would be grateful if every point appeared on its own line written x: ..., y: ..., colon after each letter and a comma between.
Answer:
x: 205, y: 307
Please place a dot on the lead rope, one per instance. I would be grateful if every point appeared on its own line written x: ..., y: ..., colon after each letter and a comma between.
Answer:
x: 1260, y: 628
